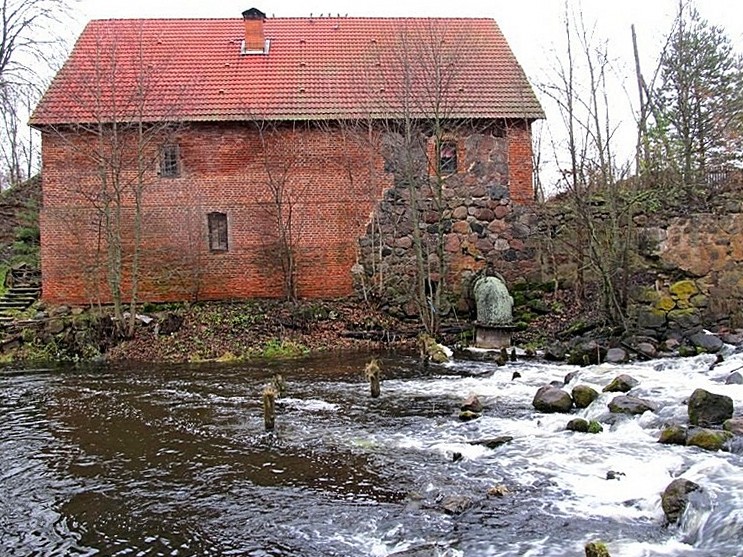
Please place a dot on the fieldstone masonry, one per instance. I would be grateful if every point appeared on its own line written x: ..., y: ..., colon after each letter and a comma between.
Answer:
x: 484, y: 218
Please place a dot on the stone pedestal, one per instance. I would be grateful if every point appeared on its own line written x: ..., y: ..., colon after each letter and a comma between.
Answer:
x: 493, y: 337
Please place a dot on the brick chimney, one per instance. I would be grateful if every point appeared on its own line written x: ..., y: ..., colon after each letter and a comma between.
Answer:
x: 255, y: 40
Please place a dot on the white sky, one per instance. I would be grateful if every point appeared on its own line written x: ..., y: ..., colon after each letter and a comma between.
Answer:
x: 533, y: 27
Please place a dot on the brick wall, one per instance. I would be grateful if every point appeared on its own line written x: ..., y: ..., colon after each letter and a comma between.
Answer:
x: 334, y: 181
x: 330, y: 182
x: 521, y: 183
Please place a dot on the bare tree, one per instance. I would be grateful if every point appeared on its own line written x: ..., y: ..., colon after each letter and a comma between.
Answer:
x: 280, y: 152
x: 119, y: 149
x: 28, y: 48
x: 417, y: 88
x: 601, y: 201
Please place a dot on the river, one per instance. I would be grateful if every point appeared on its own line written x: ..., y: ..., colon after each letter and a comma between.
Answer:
x: 174, y: 461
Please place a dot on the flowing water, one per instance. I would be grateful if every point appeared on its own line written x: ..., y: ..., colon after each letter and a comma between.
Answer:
x: 175, y: 461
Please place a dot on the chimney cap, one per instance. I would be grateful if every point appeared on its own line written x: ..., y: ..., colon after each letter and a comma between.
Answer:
x: 253, y: 13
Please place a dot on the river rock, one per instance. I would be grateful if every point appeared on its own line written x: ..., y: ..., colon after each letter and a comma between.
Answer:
x: 734, y: 378
x: 673, y: 435
x: 587, y: 353
x: 583, y: 396
x: 468, y: 416
x: 494, y: 442
x: 432, y: 350
x: 706, y: 409
x: 423, y: 550
x: 616, y: 356
x: 735, y: 338
x: 734, y: 425
x: 675, y: 498
x: 670, y: 344
x: 706, y: 342
x: 552, y: 399
x: 631, y: 405
x: 578, y: 424
x: 456, y: 504
x: 472, y: 403
x: 555, y: 353
x: 596, y: 549
x: 570, y: 376
x: 621, y: 384
x: 647, y: 349
x: 708, y: 439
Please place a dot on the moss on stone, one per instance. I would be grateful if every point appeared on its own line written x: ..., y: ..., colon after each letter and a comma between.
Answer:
x: 596, y: 549
x: 685, y: 318
x: 665, y: 303
x: 683, y: 289
x: 647, y: 294
x: 708, y: 439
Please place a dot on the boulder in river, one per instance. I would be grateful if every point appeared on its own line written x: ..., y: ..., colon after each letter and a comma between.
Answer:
x: 708, y: 439
x: 472, y: 403
x: 578, y: 424
x: 468, y: 416
x: 616, y: 356
x: 708, y: 409
x: 552, y: 399
x: 456, y: 504
x: 584, y: 426
x: 631, y: 405
x: 621, y: 384
x: 596, y: 549
x: 555, y: 352
x: 587, y: 353
x: 675, y: 498
x: 734, y: 378
x: 673, y: 435
x: 734, y: 426
x: 705, y: 342
x: 493, y: 442
x: 583, y: 396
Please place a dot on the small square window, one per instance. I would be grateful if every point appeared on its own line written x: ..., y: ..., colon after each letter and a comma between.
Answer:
x: 217, y: 231
x: 448, y: 157
x: 170, y: 161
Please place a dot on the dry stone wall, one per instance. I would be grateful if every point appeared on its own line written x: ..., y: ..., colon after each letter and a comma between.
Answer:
x: 708, y: 249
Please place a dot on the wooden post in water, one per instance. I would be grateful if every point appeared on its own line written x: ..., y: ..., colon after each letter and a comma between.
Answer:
x: 372, y: 373
x: 269, y: 407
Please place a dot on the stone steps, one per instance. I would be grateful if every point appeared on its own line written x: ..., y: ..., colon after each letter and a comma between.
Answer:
x: 17, y: 298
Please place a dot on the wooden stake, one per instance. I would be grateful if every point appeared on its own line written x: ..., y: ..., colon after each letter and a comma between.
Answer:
x: 269, y: 407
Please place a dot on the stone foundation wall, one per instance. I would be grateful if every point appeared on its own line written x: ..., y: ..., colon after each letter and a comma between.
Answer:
x: 484, y: 219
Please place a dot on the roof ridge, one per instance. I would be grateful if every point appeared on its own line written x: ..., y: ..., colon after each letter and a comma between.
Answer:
x: 299, y: 18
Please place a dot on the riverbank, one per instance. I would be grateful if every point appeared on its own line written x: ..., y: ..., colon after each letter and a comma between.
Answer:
x: 207, y: 331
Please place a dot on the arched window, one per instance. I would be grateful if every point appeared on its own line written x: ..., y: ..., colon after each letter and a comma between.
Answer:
x: 217, y: 231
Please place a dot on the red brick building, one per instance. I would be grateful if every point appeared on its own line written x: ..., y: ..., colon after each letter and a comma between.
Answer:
x: 234, y: 153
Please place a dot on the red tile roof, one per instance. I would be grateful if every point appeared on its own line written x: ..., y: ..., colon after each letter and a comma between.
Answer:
x: 193, y: 70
